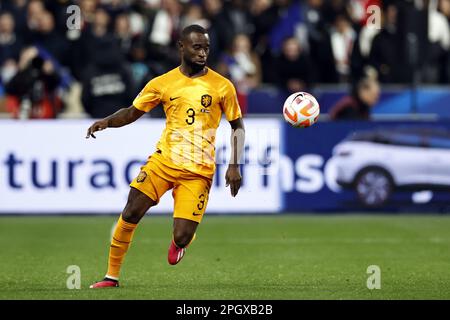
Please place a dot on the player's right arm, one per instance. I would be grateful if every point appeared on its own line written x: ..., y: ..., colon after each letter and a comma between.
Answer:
x: 146, y: 100
x: 118, y: 119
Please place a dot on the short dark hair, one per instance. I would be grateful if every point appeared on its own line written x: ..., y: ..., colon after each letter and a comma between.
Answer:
x: 192, y: 28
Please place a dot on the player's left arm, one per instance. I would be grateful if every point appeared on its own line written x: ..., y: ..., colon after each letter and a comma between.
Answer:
x: 233, y: 175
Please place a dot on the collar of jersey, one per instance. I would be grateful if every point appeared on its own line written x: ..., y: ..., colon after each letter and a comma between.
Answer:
x: 179, y: 70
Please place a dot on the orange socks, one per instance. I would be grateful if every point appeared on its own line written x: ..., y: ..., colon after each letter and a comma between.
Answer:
x: 123, y: 234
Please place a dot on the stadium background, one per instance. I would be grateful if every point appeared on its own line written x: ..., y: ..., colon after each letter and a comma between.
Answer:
x: 54, y: 80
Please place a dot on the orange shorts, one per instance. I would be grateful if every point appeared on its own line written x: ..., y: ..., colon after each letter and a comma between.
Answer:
x: 190, y: 191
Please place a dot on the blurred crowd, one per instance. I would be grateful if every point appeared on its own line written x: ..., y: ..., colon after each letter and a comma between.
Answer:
x: 50, y: 64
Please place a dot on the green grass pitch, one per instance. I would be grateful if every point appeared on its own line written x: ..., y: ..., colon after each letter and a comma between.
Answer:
x: 238, y: 257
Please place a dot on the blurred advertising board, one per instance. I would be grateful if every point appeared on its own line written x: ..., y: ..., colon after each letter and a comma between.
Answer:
x: 49, y: 167
x: 350, y: 166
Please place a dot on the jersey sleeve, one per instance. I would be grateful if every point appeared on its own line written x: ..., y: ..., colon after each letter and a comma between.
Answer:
x: 149, y: 97
x: 230, y: 104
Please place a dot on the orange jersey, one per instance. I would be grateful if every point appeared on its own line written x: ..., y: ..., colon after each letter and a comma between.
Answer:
x: 193, y: 108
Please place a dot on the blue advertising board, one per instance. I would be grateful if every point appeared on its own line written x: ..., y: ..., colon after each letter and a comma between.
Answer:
x: 413, y: 157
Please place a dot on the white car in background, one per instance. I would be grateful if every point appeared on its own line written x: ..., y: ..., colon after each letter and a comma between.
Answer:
x: 376, y: 163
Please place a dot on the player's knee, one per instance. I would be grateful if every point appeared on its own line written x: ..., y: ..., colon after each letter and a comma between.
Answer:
x: 182, y: 238
x: 136, y: 207
x: 131, y: 216
x: 132, y: 213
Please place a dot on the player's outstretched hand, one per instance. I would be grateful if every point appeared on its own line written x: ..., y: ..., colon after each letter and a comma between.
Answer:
x: 97, y: 126
x: 233, y: 179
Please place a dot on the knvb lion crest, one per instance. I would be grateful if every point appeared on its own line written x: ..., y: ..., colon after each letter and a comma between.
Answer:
x: 141, y: 177
x: 206, y: 100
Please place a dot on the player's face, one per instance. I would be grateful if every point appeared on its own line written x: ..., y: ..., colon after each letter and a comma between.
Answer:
x: 195, y: 49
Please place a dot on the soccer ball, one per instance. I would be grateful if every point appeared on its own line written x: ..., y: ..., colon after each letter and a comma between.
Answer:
x: 301, y: 110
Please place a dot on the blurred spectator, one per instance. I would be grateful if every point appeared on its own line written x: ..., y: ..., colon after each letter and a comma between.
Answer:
x: 334, y: 8
x: 59, y: 11
x: 34, y: 10
x: 365, y: 94
x: 107, y: 83
x: 123, y: 33
x: 361, y: 50
x: 101, y: 25
x: 92, y: 41
x: 220, y: 34
x: 289, y: 16
x: 436, y: 64
x: 10, y: 42
x: 342, y: 38
x: 18, y: 9
x: 194, y: 15
x: 137, y: 16
x: 242, y: 65
x: 87, y: 8
x: 162, y: 34
x: 386, y: 53
x: 294, y: 67
x: 264, y: 15
x: 8, y: 70
x: 365, y: 39
x: 139, y: 66
x: 165, y: 23
x: 312, y: 26
x: 239, y: 16
x: 313, y: 35
x: 32, y: 91
x: 47, y: 37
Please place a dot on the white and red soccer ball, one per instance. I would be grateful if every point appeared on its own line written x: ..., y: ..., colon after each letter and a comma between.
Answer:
x: 301, y: 110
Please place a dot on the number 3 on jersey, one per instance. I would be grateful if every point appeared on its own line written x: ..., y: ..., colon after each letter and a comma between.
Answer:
x: 190, y: 116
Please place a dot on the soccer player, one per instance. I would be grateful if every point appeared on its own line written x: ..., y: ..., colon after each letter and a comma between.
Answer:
x: 194, y: 97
